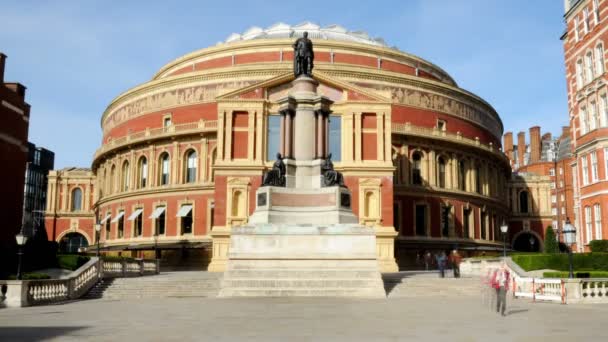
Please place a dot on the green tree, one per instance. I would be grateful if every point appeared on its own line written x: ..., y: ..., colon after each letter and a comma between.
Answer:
x: 551, y: 245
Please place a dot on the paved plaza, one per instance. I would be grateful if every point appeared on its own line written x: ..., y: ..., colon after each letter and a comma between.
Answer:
x: 303, y: 319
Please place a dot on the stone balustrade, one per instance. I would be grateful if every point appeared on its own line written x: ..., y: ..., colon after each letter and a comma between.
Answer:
x: 18, y: 293
x: 567, y: 291
x: 157, y: 133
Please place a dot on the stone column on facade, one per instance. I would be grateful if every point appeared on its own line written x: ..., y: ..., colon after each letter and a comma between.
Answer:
x: 228, y: 139
x: 289, y: 134
x: 325, y: 148
x: 259, y: 146
x: 204, y: 160
x: 174, y: 173
x: 379, y: 136
x: 132, y: 171
x: 387, y: 136
x: 282, y: 136
x: 64, y: 195
x: 347, y: 137
x: 87, y: 195
x: 320, y: 136
x: 221, y: 135
x: 404, y: 158
x: 250, y: 134
x: 357, y: 133
x: 431, y: 162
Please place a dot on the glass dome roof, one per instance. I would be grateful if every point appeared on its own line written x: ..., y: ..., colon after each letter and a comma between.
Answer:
x: 330, y: 32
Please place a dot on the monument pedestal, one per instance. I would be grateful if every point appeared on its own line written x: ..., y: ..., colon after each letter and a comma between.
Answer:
x: 302, y: 239
x: 302, y: 260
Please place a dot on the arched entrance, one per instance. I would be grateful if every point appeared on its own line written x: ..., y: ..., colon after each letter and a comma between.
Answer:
x: 527, y: 242
x: 71, y: 242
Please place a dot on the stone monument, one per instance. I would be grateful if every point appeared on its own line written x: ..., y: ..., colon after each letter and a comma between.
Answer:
x: 303, y: 238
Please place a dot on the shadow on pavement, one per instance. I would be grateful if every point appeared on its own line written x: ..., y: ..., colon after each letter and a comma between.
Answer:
x: 35, y: 333
x: 513, y: 312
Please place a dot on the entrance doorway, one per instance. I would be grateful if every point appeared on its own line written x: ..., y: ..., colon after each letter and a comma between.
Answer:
x: 527, y: 242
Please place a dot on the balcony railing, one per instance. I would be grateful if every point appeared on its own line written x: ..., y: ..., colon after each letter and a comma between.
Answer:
x: 157, y: 133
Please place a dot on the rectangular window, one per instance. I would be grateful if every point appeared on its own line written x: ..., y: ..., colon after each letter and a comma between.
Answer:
x: 108, y: 226
x: 445, y: 221
x: 588, y: 67
x: 561, y: 184
x: 466, y: 222
x: 335, y: 137
x: 441, y: 125
x: 482, y: 219
x: 579, y: 75
x: 592, y: 117
x: 137, y: 221
x: 561, y: 171
x: 553, y: 199
x: 597, y: 211
x: 159, y: 215
x: 599, y: 60
x: 121, y: 225
x: 574, y: 175
x: 576, y: 36
x: 583, y: 120
x: 596, y: 11
x: 185, y: 212
x: 586, y: 20
x: 420, y: 220
x: 551, y: 172
x: 563, y: 211
x: 594, y: 166
x: 585, y: 170
x: 588, y: 225
x: 167, y: 122
x: 603, y: 111
x: 273, y: 139
x: 554, y: 211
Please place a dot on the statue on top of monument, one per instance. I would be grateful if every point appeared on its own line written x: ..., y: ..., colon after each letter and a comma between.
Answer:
x: 303, y: 56
x: 331, y: 177
x: 275, y: 176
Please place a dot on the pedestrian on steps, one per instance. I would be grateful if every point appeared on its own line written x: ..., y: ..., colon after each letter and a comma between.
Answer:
x: 455, y: 260
x: 441, y: 261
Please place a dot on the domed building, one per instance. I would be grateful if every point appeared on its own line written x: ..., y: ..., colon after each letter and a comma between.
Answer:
x: 183, y: 154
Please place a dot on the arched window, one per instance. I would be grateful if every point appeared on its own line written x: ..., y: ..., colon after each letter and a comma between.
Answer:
x: 462, y: 175
x: 599, y: 59
x: 126, y: 177
x: 588, y: 67
x: 523, y: 202
x: 163, y: 174
x: 76, y: 199
x: 142, y: 172
x: 417, y: 169
x: 190, y: 166
x: 441, y: 172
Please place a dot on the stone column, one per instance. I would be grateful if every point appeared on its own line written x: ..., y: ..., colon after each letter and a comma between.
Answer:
x: 288, y: 135
x: 357, y: 134
x: 325, y: 135
x: 282, y: 136
x: 303, y: 134
x: 320, y: 136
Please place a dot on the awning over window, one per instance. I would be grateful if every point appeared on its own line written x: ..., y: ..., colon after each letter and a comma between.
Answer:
x: 157, y: 212
x: 120, y: 214
x: 136, y: 213
x: 184, y: 210
x: 105, y: 219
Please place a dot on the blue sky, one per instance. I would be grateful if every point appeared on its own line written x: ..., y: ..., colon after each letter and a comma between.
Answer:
x: 76, y: 56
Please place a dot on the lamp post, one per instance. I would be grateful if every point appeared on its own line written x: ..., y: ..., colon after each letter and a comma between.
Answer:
x: 21, y: 240
x: 97, y: 235
x: 504, y: 228
x: 569, y: 232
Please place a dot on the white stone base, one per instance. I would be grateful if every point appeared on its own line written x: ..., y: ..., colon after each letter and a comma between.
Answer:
x: 302, y: 260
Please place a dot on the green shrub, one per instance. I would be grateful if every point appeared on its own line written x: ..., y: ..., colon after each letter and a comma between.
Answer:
x: 581, y: 261
x: 71, y: 261
x: 577, y: 274
x: 551, y: 245
x: 31, y: 276
x: 599, y: 246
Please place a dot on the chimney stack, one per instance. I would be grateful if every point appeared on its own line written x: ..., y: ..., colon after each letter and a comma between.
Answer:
x: 521, y: 148
x: 2, y: 61
x: 534, y: 144
x: 565, y: 131
x: 508, y: 146
x: 546, y: 136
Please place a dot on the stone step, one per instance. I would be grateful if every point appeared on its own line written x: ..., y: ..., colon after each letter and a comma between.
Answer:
x: 285, y: 274
x: 304, y: 292
x: 299, y: 283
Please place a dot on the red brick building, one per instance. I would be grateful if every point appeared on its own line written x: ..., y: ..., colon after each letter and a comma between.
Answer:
x: 584, y: 41
x: 14, y: 118
x: 183, y: 153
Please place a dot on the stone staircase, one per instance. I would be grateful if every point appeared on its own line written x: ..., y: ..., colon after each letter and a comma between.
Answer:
x: 421, y: 283
x: 166, y: 284
x: 287, y: 279
x: 301, y: 283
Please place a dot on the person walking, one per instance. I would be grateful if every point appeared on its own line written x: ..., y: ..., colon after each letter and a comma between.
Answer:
x: 441, y: 261
x: 427, y: 260
x: 456, y: 259
x: 500, y: 282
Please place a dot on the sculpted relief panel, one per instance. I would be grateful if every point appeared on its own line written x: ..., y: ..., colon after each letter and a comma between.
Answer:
x: 427, y: 100
x: 170, y: 98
